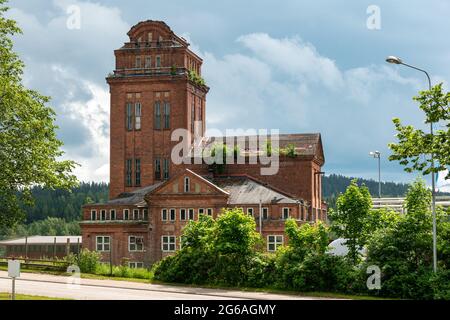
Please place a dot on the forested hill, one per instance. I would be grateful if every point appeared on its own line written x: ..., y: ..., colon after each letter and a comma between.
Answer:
x: 65, y: 204
x: 333, y: 185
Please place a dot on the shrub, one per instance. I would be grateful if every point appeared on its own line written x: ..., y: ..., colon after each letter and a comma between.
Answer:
x: 316, y: 272
x: 87, y: 261
x: 260, y: 271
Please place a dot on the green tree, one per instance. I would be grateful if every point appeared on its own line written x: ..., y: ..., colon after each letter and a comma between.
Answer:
x: 349, y: 220
x: 413, y: 143
x: 29, y: 148
x: 306, y: 238
x: 235, y: 232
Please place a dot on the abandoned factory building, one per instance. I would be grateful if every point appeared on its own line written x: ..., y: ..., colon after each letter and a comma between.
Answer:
x: 156, y: 88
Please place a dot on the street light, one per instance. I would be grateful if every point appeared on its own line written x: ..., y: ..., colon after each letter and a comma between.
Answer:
x: 396, y: 60
x: 377, y: 155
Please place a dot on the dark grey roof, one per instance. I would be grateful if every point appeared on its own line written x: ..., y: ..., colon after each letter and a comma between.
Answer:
x: 135, y: 197
x: 43, y: 240
x: 244, y: 190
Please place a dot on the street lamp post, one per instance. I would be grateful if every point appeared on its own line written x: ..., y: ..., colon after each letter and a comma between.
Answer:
x: 377, y: 155
x: 396, y: 60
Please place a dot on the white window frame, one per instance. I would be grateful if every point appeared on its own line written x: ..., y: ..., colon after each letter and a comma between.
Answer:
x: 136, y: 64
x: 95, y: 215
x: 158, y: 59
x: 185, y: 214
x: 164, y: 210
x: 126, y: 216
x: 209, y: 212
x: 191, y: 211
x: 168, y: 243
x: 250, y: 212
x: 135, y: 264
x: 144, y: 214
x: 138, y: 214
x: 137, y: 115
x: 102, y: 243
x: 111, y: 211
x: 275, y: 243
x: 201, y: 211
x: 103, y: 214
x: 149, y: 60
x: 135, y: 244
x: 282, y: 213
x: 174, y: 215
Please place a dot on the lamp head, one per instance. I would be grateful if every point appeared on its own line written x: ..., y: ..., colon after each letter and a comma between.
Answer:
x: 394, y: 60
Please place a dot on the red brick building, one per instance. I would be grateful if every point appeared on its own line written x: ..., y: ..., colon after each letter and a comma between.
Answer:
x: 156, y: 88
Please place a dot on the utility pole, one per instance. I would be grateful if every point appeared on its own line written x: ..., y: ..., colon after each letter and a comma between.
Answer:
x: 260, y: 217
x: 377, y: 155
x: 110, y: 256
x: 396, y: 60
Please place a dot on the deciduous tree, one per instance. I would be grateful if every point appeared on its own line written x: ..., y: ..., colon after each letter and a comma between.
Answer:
x: 29, y: 149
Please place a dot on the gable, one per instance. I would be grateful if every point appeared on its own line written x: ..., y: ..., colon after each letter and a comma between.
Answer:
x: 194, y: 183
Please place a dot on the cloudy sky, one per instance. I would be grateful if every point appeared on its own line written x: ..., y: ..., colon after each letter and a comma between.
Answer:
x: 298, y: 66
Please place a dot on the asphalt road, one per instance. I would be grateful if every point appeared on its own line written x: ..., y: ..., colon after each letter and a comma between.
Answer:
x: 90, y: 289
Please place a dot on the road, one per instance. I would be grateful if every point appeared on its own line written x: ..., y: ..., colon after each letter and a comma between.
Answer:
x: 93, y: 289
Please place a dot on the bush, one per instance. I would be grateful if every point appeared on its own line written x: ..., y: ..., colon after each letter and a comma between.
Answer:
x: 88, y: 261
x: 260, y: 271
x: 314, y: 272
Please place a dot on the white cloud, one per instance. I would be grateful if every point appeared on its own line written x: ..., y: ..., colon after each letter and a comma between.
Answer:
x: 94, y: 116
x: 70, y: 65
x: 295, y: 58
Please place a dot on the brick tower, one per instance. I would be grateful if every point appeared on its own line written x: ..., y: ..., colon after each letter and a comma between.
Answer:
x: 156, y: 87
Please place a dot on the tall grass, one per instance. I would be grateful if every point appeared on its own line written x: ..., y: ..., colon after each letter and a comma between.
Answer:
x: 103, y: 269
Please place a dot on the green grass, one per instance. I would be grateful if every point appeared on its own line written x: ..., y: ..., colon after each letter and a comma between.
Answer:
x: 7, y: 296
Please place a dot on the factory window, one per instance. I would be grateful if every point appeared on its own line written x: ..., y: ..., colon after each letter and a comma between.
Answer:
x: 135, y: 243
x: 166, y: 115
x: 157, y: 115
x: 129, y: 110
x: 148, y: 62
x: 157, y: 169
x: 265, y: 213
x: 126, y: 214
x: 112, y: 214
x: 166, y: 168
x: 137, y: 173
x: 191, y: 214
x: 168, y: 243
x: 273, y: 242
x: 182, y: 214
x: 137, y: 116
x: 135, y: 265
x: 93, y: 215
x: 285, y: 213
x: 103, y: 214
x: 172, y: 216
x: 103, y: 243
x: 164, y: 214
x: 128, y: 172
x: 187, y: 186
